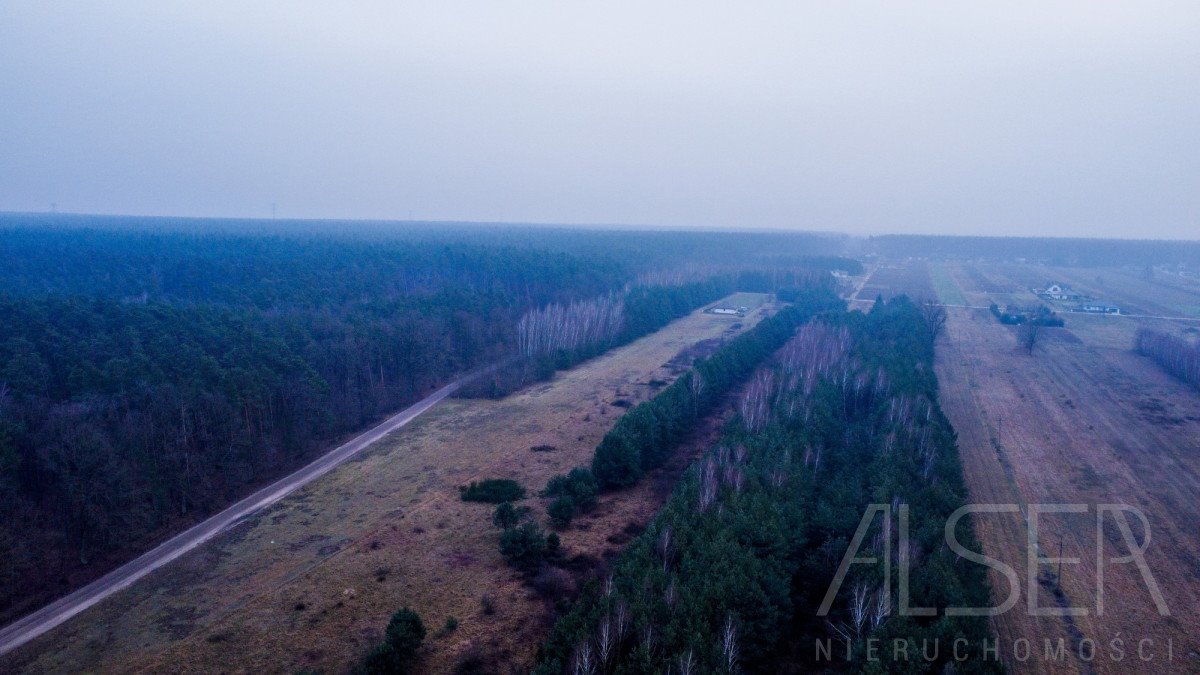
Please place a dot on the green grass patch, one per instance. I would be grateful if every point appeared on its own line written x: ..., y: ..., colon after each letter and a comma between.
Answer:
x: 944, y: 285
x: 747, y: 300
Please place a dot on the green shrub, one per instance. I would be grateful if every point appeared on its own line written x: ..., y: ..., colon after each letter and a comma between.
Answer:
x: 487, y: 603
x: 493, y: 491
x: 403, y: 637
x: 579, y: 484
x: 561, y: 511
x: 507, y: 516
x: 524, y: 546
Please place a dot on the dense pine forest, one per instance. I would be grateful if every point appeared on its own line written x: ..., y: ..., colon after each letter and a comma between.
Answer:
x: 730, y: 575
x: 151, y: 373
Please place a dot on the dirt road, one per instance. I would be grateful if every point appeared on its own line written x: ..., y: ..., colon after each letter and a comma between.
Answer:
x: 309, y: 583
x: 42, y: 620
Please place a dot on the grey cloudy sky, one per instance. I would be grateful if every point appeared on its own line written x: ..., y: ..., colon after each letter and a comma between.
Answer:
x: 1075, y: 118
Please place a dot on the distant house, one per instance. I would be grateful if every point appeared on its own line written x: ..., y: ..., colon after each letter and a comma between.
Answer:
x: 1098, y: 308
x: 1057, y: 292
x: 730, y: 311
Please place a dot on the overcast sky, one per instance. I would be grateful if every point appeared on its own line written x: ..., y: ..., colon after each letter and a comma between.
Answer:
x: 1072, y: 119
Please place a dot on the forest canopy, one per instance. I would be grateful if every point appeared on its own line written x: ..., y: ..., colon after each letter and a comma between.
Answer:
x: 730, y: 574
x: 153, y: 370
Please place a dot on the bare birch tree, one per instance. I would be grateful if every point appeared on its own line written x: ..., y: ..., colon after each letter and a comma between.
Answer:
x: 1174, y: 354
x: 729, y: 645
x: 571, y: 327
x: 934, y: 315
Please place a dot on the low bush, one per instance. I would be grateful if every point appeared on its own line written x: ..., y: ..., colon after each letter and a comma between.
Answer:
x: 561, y: 511
x: 578, y: 484
x: 493, y: 491
x: 404, y: 635
x: 524, y: 547
x: 473, y: 661
x: 573, y: 491
x: 554, y: 583
x: 487, y: 603
x: 507, y: 516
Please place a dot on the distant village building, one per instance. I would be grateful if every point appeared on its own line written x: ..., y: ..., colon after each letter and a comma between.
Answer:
x: 730, y: 311
x: 1098, y: 308
x: 1057, y: 292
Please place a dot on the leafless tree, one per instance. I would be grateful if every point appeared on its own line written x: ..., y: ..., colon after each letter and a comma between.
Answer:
x: 860, y: 603
x: 621, y: 619
x: 881, y: 608
x: 648, y: 638
x: 934, y: 314
x: 867, y: 610
x: 816, y: 351
x: 812, y: 457
x: 710, y: 485
x: 583, y: 662
x: 574, y: 326
x: 927, y: 450
x: 606, y: 641
x: 755, y: 405
x: 1028, y: 336
x: 687, y: 663
x: 696, y: 387
x: 729, y: 645
x: 664, y: 546
x: 779, y: 475
x: 1174, y: 354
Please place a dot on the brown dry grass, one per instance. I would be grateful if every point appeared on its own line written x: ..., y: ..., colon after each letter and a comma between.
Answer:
x: 311, y: 582
x: 1084, y: 420
x: 892, y: 279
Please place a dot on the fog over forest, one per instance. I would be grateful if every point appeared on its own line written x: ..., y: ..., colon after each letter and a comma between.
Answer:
x: 577, y: 338
x: 1027, y: 118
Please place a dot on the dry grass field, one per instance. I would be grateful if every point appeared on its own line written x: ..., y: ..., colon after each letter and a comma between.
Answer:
x: 1083, y: 420
x: 1157, y: 295
x: 310, y: 583
x: 892, y: 279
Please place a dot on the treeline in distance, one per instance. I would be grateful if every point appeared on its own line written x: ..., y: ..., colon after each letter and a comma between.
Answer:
x: 1174, y: 354
x: 1049, y: 250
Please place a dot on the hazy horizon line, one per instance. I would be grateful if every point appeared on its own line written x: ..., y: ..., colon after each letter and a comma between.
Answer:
x: 581, y: 225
